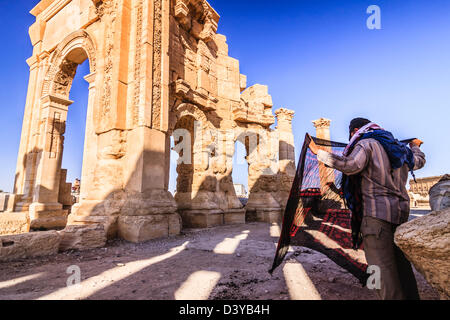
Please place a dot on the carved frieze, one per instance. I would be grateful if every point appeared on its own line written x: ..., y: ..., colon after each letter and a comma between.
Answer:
x: 137, y: 62
x: 110, y: 8
x: 157, y: 55
x: 64, y: 77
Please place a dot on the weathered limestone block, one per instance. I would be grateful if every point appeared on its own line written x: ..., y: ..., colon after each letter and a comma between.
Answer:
x: 50, y: 219
x: 440, y: 194
x: 426, y: 243
x: 256, y: 106
x: 65, y: 191
x: 82, y: 237
x: 262, y: 207
x: 29, y: 245
x: 14, y: 223
x: 202, y: 218
x: 234, y: 216
x: 143, y: 228
x: 4, y: 201
x: 13, y: 199
x: 109, y: 223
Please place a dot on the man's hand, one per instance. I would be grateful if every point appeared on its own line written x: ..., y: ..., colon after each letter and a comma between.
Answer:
x: 313, y: 147
x: 416, y: 143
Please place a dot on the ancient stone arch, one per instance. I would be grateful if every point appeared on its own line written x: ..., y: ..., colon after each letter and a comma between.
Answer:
x: 71, y: 52
x: 155, y: 66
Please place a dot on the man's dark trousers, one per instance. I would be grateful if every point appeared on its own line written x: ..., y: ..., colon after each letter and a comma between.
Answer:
x: 397, y: 277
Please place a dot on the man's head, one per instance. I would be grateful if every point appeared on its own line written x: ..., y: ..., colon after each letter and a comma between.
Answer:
x: 357, y: 124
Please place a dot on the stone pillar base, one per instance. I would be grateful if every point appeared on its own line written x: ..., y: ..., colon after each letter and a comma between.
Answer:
x: 47, y: 215
x: 13, y: 201
x: 144, y: 228
x: 109, y: 223
x: 82, y: 237
x: 262, y: 207
x: 234, y: 216
x: 202, y: 218
x: 264, y: 215
x: 20, y: 207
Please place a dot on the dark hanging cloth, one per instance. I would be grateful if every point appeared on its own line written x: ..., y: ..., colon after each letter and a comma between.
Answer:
x: 316, y: 215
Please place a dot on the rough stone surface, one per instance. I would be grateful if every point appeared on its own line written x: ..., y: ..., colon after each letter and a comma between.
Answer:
x: 3, y: 201
x: 426, y: 243
x: 440, y: 194
x: 82, y: 237
x: 28, y: 245
x: 14, y: 223
x: 144, y: 228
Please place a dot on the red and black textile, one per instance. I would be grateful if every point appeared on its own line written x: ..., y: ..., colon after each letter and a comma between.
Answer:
x: 316, y: 216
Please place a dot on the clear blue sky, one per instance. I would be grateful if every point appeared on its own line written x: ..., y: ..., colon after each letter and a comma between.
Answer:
x: 317, y: 57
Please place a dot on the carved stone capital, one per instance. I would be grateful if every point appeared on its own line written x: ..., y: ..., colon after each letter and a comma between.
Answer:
x: 285, y: 114
x: 322, y: 123
x: 55, y: 101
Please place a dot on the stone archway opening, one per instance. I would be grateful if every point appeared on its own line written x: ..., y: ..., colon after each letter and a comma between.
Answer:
x: 248, y: 143
x: 74, y: 137
x: 52, y: 200
x: 240, y: 173
x: 184, y: 146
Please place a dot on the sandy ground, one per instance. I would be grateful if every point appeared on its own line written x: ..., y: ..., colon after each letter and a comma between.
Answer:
x: 229, y: 262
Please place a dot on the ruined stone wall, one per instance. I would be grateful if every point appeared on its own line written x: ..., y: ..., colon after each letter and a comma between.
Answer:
x: 208, y: 88
x: 158, y: 69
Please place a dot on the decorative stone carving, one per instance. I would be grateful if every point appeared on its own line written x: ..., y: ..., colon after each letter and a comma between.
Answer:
x: 198, y: 17
x: 322, y: 123
x: 64, y: 77
x: 157, y: 56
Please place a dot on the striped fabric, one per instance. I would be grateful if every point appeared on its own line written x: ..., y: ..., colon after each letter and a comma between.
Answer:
x: 384, y: 190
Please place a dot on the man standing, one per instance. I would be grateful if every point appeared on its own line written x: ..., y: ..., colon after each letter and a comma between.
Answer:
x: 380, y: 164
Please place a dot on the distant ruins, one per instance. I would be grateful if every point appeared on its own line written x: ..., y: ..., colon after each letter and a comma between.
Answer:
x: 157, y: 69
x: 419, y: 191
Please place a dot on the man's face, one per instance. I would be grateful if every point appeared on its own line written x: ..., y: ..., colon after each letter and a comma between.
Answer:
x: 353, y: 132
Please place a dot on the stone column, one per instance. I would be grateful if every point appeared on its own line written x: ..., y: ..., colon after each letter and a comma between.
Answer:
x: 322, y: 126
x: 90, y: 142
x: 148, y: 209
x: 286, y: 154
x: 46, y: 211
x: 25, y: 169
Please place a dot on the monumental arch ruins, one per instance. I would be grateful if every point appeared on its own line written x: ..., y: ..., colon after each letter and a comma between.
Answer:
x: 158, y: 69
